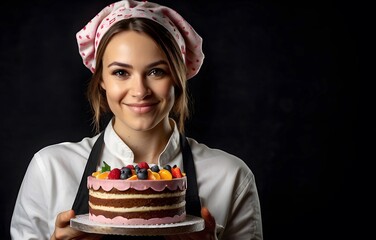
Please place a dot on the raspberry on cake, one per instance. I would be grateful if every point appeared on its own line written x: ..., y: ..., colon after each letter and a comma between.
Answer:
x: 139, y: 196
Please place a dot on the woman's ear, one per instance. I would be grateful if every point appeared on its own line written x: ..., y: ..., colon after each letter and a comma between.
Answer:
x: 102, y: 84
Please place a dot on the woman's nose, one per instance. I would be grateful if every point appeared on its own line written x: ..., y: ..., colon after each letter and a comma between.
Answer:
x: 139, y: 88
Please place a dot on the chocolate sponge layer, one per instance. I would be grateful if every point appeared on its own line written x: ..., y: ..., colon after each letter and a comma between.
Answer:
x: 143, y: 215
x: 136, y: 202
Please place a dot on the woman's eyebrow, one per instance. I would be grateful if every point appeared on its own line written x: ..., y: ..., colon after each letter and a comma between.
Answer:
x: 125, y: 65
x: 160, y: 62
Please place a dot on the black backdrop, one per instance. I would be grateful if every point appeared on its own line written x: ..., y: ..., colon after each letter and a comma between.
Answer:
x: 278, y: 88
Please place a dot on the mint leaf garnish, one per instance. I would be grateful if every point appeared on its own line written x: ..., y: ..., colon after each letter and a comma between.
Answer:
x: 106, y: 167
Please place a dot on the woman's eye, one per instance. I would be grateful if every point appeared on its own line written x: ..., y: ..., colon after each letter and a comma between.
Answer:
x: 157, y: 72
x: 120, y: 73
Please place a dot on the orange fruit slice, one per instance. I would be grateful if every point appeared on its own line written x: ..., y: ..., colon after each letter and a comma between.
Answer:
x: 151, y: 175
x: 94, y: 174
x: 165, y: 174
x: 156, y: 175
x: 134, y: 177
x: 103, y: 175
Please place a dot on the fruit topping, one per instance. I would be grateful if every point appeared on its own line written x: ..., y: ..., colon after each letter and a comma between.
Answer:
x: 134, y: 177
x: 125, y: 173
x: 167, y: 167
x: 103, y: 175
x: 176, y: 173
x: 136, y: 168
x: 155, y: 168
x: 143, y: 165
x: 95, y: 174
x: 114, y: 174
x: 165, y: 174
x: 156, y: 175
x: 130, y: 166
x: 151, y: 176
x: 142, y: 174
x: 140, y: 171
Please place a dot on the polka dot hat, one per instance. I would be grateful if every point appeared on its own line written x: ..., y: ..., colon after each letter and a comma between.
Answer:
x: 189, y: 41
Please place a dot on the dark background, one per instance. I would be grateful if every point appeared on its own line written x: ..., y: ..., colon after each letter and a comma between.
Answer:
x: 279, y: 88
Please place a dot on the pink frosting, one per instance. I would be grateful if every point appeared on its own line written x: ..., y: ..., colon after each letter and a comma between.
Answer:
x: 136, y: 221
x: 121, y: 185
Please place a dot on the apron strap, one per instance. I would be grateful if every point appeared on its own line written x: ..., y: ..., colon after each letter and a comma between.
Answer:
x: 80, y: 205
x: 193, y: 205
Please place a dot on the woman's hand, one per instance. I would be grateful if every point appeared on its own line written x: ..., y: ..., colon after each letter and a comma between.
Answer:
x: 207, y: 234
x: 64, y: 231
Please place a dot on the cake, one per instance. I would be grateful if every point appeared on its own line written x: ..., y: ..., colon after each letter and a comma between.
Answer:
x: 137, y: 195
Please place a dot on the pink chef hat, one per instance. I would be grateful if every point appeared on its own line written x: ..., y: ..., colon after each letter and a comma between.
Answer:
x: 189, y: 41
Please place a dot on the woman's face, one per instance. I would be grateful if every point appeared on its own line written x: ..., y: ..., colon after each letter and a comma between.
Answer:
x: 138, y: 82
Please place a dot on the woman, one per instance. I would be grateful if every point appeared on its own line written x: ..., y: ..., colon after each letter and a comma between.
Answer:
x: 141, y: 55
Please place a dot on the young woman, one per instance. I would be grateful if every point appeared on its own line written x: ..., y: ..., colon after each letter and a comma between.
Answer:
x: 141, y: 55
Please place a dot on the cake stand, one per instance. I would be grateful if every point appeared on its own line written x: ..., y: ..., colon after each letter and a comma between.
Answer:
x: 189, y: 225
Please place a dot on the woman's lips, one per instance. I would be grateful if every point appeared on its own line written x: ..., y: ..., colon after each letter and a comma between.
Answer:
x: 141, y: 108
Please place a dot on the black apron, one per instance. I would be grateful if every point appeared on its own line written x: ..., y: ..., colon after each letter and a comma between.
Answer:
x: 193, y: 206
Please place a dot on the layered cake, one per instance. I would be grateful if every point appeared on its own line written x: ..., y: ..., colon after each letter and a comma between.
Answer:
x: 135, y: 195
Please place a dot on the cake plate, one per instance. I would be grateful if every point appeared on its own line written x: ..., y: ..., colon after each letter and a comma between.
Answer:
x: 190, y: 224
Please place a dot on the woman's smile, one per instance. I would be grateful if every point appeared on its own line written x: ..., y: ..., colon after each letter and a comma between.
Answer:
x: 142, y: 108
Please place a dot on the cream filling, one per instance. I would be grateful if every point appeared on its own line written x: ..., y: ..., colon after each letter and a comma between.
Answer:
x: 136, y: 209
x: 105, y: 195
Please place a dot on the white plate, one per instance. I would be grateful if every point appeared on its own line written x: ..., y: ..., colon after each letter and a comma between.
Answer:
x: 191, y: 224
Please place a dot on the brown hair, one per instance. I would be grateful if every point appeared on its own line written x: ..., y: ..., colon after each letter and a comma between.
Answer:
x: 96, y: 94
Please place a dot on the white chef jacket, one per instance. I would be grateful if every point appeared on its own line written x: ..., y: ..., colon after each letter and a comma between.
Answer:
x: 226, y: 185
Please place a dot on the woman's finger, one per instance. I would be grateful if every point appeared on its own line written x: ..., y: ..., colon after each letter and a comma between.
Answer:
x: 62, y: 226
x: 63, y: 218
x: 209, y: 219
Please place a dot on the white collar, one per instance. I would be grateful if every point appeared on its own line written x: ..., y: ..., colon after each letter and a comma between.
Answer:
x: 115, y: 145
